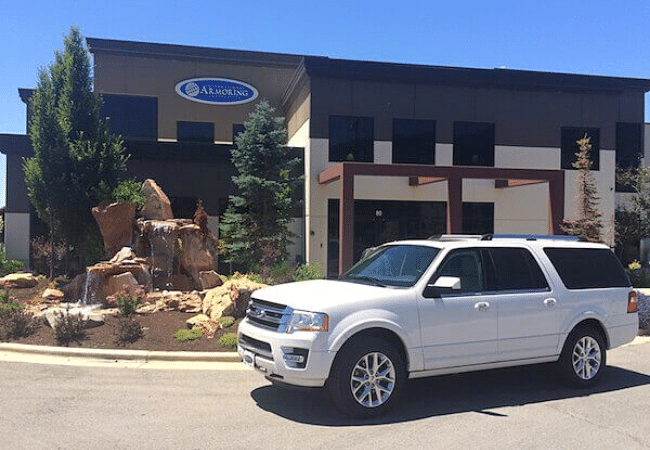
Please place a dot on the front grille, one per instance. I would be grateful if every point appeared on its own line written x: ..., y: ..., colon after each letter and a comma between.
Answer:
x: 256, y: 346
x: 266, y: 314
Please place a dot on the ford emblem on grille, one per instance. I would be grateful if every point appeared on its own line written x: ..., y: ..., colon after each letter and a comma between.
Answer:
x: 256, y: 312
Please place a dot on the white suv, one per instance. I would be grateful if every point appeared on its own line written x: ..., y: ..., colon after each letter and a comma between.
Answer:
x: 453, y: 304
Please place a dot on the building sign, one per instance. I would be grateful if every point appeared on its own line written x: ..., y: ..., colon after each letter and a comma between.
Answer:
x: 216, y: 91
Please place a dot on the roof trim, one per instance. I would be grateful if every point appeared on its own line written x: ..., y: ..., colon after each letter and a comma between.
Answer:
x: 317, y: 66
x: 174, y: 51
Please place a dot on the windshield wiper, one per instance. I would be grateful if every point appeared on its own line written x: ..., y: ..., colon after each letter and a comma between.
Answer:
x: 363, y: 278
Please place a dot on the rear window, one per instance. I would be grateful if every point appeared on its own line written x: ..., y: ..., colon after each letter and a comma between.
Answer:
x: 585, y: 268
x: 516, y: 269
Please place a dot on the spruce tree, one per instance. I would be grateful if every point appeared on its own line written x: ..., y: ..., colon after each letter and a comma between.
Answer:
x: 77, y: 162
x: 587, y: 223
x: 254, y: 229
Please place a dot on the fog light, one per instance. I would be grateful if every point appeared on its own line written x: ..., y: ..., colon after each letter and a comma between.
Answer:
x: 296, y: 358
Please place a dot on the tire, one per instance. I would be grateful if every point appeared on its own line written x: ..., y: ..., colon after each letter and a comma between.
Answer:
x: 583, y: 357
x: 367, y: 377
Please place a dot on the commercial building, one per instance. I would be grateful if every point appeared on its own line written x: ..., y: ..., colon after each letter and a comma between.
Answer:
x: 390, y: 150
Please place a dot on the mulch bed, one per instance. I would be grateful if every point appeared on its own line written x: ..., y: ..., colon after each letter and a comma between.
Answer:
x: 158, y: 334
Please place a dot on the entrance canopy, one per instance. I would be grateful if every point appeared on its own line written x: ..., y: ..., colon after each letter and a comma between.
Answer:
x: 419, y: 175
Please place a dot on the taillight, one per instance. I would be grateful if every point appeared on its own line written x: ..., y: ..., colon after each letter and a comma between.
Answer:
x: 632, y: 302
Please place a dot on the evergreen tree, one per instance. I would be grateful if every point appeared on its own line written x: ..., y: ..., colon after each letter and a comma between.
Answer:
x: 77, y: 162
x: 254, y: 229
x: 588, y: 223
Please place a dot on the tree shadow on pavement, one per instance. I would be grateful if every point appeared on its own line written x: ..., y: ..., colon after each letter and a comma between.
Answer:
x: 479, y: 392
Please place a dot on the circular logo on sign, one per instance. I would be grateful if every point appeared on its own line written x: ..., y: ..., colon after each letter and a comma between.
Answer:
x: 192, y: 89
x: 216, y: 91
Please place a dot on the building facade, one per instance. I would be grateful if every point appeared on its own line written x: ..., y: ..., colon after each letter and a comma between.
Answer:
x: 390, y: 150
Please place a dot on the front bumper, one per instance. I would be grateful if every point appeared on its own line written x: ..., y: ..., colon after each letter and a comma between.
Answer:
x: 266, y: 351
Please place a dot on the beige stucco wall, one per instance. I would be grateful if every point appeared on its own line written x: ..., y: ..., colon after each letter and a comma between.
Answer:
x: 140, y: 75
x: 517, y: 210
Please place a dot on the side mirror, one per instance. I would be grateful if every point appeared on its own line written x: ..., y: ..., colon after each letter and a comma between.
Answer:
x: 443, y: 285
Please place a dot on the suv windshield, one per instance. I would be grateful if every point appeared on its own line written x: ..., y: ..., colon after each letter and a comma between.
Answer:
x: 394, y: 265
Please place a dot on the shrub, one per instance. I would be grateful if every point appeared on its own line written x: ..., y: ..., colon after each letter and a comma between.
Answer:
x: 129, y: 191
x: 8, y: 265
x: 127, y: 304
x: 128, y: 330
x: 228, y: 340
x: 8, y: 305
x: 226, y: 321
x: 69, y: 328
x: 184, y: 335
x: 639, y: 277
x: 308, y: 272
x: 42, y: 251
x: 18, y: 324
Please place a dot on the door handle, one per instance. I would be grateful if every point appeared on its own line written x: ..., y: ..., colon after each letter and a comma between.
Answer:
x: 550, y: 303
x: 482, y: 306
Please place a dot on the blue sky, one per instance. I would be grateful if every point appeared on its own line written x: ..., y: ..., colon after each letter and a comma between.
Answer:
x: 588, y: 37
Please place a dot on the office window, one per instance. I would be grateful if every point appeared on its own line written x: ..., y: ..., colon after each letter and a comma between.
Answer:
x: 131, y: 116
x: 236, y: 130
x: 629, y: 144
x: 414, y: 141
x: 478, y: 218
x: 195, y: 132
x: 474, y: 144
x: 351, y: 138
x: 569, y: 143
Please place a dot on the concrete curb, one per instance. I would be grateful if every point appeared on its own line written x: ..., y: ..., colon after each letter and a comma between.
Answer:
x: 120, y: 355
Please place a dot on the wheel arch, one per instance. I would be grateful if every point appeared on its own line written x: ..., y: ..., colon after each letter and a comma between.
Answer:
x: 593, y: 323
x: 378, y: 332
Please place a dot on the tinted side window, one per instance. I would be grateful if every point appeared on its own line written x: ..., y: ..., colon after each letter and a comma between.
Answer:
x: 516, y: 269
x: 584, y: 268
x: 467, y: 265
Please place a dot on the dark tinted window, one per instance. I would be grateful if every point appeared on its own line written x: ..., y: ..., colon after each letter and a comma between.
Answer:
x: 515, y: 269
x: 478, y: 218
x: 195, y: 132
x: 584, y: 268
x: 236, y: 130
x: 351, y: 138
x: 414, y: 141
x: 131, y: 116
x: 629, y: 144
x: 473, y: 144
x: 570, y: 138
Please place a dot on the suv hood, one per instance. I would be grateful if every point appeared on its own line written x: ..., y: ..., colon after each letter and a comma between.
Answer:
x: 320, y: 295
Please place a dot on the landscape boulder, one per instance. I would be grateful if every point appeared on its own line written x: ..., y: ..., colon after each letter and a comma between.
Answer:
x: 209, y: 279
x: 203, y: 322
x: 18, y: 281
x: 157, y: 205
x: 53, y: 294
x: 90, y: 316
x: 229, y: 299
x: 115, y: 224
x: 196, y: 257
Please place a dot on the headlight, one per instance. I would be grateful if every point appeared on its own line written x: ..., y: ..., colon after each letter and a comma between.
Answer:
x: 307, y: 321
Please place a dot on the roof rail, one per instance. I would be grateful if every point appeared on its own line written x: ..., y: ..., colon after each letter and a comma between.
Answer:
x: 533, y: 237
x: 456, y: 237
